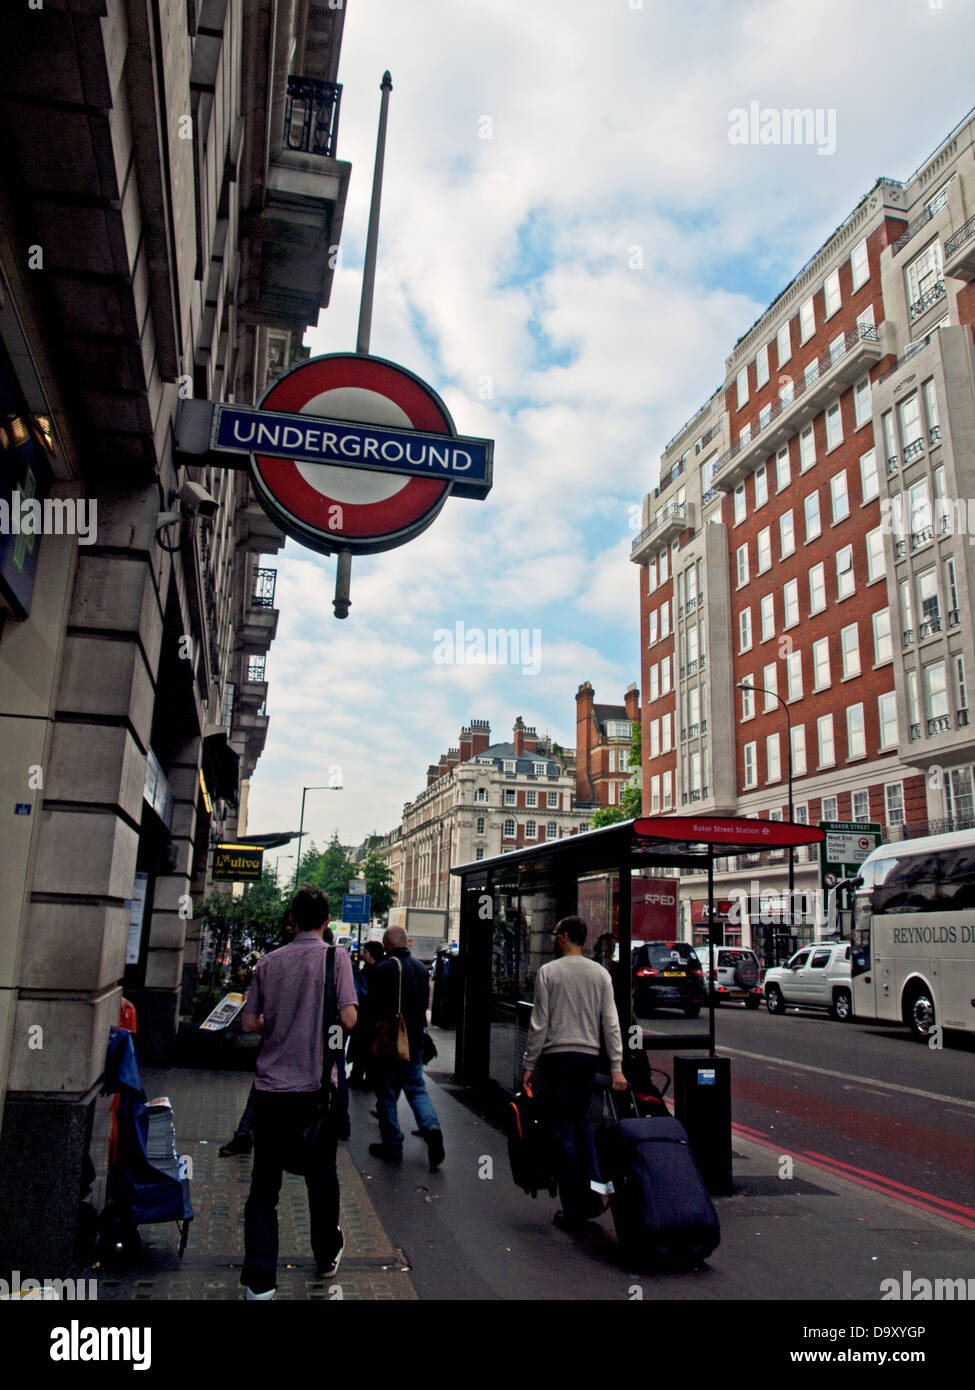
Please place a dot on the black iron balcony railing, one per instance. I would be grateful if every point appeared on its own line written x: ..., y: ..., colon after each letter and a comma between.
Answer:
x: 912, y: 450
x: 915, y: 732
x: 911, y: 230
x: 862, y: 333
x: 672, y: 509
x: 668, y: 478
x: 961, y: 718
x: 928, y: 628
x: 908, y: 637
x: 911, y: 351
x: 264, y: 582
x: 929, y: 297
x: 940, y: 724
x: 919, y: 538
x: 311, y: 115
x: 958, y: 239
x: 934, y: 434
x: 900, y: 549
x: 954, y: 617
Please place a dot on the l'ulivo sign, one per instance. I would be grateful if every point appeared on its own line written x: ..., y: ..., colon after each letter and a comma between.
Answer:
x: 237, y: 864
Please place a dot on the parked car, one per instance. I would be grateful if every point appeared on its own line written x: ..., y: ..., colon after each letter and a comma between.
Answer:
x: 668, y: 975
x: 815, y: 977
x: 737, y: 974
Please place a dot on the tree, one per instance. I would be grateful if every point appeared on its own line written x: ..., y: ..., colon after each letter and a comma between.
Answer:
x: 606, y: 815
x: 378, y: 875
x: 631, y: 800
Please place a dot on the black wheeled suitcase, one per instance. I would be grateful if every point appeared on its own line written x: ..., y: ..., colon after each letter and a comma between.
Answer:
x: 661, y: 1208
x: 529, y: 1147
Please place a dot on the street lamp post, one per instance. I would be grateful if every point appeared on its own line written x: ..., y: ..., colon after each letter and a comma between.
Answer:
x: 301, y: 824
x: 744, y: 685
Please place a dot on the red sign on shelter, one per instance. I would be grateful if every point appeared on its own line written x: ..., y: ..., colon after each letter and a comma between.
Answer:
x: 728, y: 831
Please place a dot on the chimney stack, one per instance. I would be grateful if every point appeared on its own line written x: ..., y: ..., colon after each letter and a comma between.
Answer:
x: 584, y: 703
x: 518, y: 737
x: 466, y: 745
x: 480, y: 736
x: 632, y: 701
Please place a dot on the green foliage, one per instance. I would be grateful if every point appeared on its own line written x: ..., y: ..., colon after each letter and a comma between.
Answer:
x: 378, y: 876
x: 635, y: 744
x: 631, y: 802
x: 606, y: 815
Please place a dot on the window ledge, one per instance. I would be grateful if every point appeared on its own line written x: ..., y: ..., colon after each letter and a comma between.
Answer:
x: 839, y: 521
x: 854, y: 676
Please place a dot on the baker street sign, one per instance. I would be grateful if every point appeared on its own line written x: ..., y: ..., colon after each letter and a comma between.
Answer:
x: 237, y: 864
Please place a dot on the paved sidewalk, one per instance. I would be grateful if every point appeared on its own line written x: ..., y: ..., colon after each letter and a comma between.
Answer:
x: 207, y: 1106
x: 466, y: 1233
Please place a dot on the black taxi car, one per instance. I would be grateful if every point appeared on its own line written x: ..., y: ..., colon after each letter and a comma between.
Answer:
x: 667, y: 975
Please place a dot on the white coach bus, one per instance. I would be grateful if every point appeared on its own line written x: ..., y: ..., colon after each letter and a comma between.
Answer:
x: 913, y: 958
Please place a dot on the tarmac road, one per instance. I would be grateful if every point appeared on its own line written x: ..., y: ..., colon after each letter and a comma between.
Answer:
x: 860, y: 1099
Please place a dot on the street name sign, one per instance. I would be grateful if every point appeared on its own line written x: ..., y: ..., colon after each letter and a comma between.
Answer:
x: 356, y: 908
x: 846, y: 845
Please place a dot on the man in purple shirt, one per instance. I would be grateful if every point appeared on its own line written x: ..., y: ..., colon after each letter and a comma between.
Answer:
x: 286, y: 1004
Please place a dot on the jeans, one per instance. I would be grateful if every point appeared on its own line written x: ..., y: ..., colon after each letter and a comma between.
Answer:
x: 565, y: 1082
x: 393, y: 1076
x: 275, y: 1115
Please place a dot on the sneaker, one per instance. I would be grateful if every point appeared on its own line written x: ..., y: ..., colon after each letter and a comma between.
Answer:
x: 240, y: 1144
x: 434, y: 1143
x: 327, y: 1271
x: 386, y: 1153
x: 251, y: 1297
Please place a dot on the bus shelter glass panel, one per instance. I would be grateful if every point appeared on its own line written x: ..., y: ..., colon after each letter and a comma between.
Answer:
x: 521, y: 945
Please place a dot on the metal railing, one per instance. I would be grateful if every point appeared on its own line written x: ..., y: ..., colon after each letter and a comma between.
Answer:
x: 911, y: 230
x: 934, y: 435
x: 912, y: 349
x: 940, y: 724
x: 928, y: 628
x: 665, y: 482
x: 255, y: 667
x: 913, y: 449
x: 958, y: 239
x: 673, y: 509
x: 263, y: 593
x: 929, y: 297
x: 862, y: 333
x: 311, y: 115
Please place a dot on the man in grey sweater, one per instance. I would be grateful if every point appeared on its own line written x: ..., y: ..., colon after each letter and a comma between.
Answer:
x: 574, y: 1007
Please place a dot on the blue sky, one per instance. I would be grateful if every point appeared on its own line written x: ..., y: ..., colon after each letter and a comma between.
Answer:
x: 570, y: 247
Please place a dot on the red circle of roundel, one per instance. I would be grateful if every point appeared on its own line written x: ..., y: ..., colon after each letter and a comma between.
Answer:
x: 410, y: 509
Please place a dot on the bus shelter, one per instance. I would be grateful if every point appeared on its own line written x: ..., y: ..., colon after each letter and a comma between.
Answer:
x: 510, y: 903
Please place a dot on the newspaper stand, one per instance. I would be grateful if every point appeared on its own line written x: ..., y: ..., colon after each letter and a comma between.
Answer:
x: 139, y: 1193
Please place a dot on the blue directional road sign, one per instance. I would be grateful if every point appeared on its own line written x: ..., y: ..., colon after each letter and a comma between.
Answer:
x: 356, y: 908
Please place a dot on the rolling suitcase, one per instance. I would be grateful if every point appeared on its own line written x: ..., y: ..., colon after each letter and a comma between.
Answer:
x: 529, y: 1147
x: 660, y: 1205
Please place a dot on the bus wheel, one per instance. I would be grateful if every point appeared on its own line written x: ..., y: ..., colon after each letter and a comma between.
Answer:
x: 842, y: 1006
x: 919, y: 1015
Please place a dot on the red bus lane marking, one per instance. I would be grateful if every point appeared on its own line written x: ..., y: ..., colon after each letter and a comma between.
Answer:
x: 829, y: 1167
x: 953, y: 1151
x: 891, y: 1182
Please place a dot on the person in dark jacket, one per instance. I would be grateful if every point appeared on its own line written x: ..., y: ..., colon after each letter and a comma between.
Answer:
x: 402, y: 985
x: 360, y: 1042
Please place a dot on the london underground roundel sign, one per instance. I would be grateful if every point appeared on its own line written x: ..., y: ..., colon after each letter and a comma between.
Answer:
x: 351, y: 452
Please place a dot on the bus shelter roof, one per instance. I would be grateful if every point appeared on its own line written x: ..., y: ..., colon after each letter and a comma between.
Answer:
x: 647, y: 842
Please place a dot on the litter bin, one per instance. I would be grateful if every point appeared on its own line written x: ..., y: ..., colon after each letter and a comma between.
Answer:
x: 702, y: 1103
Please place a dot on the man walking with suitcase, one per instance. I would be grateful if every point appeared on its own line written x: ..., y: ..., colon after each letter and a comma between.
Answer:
x: 574, y: 1010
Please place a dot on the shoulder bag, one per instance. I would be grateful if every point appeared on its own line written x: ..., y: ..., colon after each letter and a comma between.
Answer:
x: 392, y: 1041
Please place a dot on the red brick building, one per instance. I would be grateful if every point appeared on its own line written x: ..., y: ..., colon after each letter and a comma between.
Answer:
x: 603, y: 737
x: 807, y: 540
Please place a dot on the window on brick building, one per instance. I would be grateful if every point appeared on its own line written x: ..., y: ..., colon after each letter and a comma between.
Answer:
x: 894, y: 802
x: 859, y: 265
x: 761, y: 366
x: 761, y: 486
x: 861, y: 402
x: 751, y: 777
x: 831, y: 292
x: 869, y: 477
x: 845, y: 581
x: 783, y: 473
x: 839, y: 496
x: 861, y: 805
x: 810, y: 507
x: 770, y: 684
x: 829, y: 809
x: 798, y: 749
x: 783, y: 343
x: 744, y: 629
x: 883, y: 647
x: 834, y: 426
x: 887, y: 719
x: 767, y: 610
x: 740, y: 503
x: 773, y: 764
x: 747, y: 698
x: 807, y: 449
x: 787, y: 534
x: 856, y: 739
x: 741, y: 384
x: 764, y: 550
x: 807, y: 320
x: 741, y: 561
x: 790, y: 600
x: 850, y: 650
x: 817, y: 588
x: 827, y: 752
x: 821, y: 664
x: 793, y: 676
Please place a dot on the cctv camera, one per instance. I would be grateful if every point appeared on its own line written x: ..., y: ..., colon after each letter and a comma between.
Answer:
x: 197, y: 501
